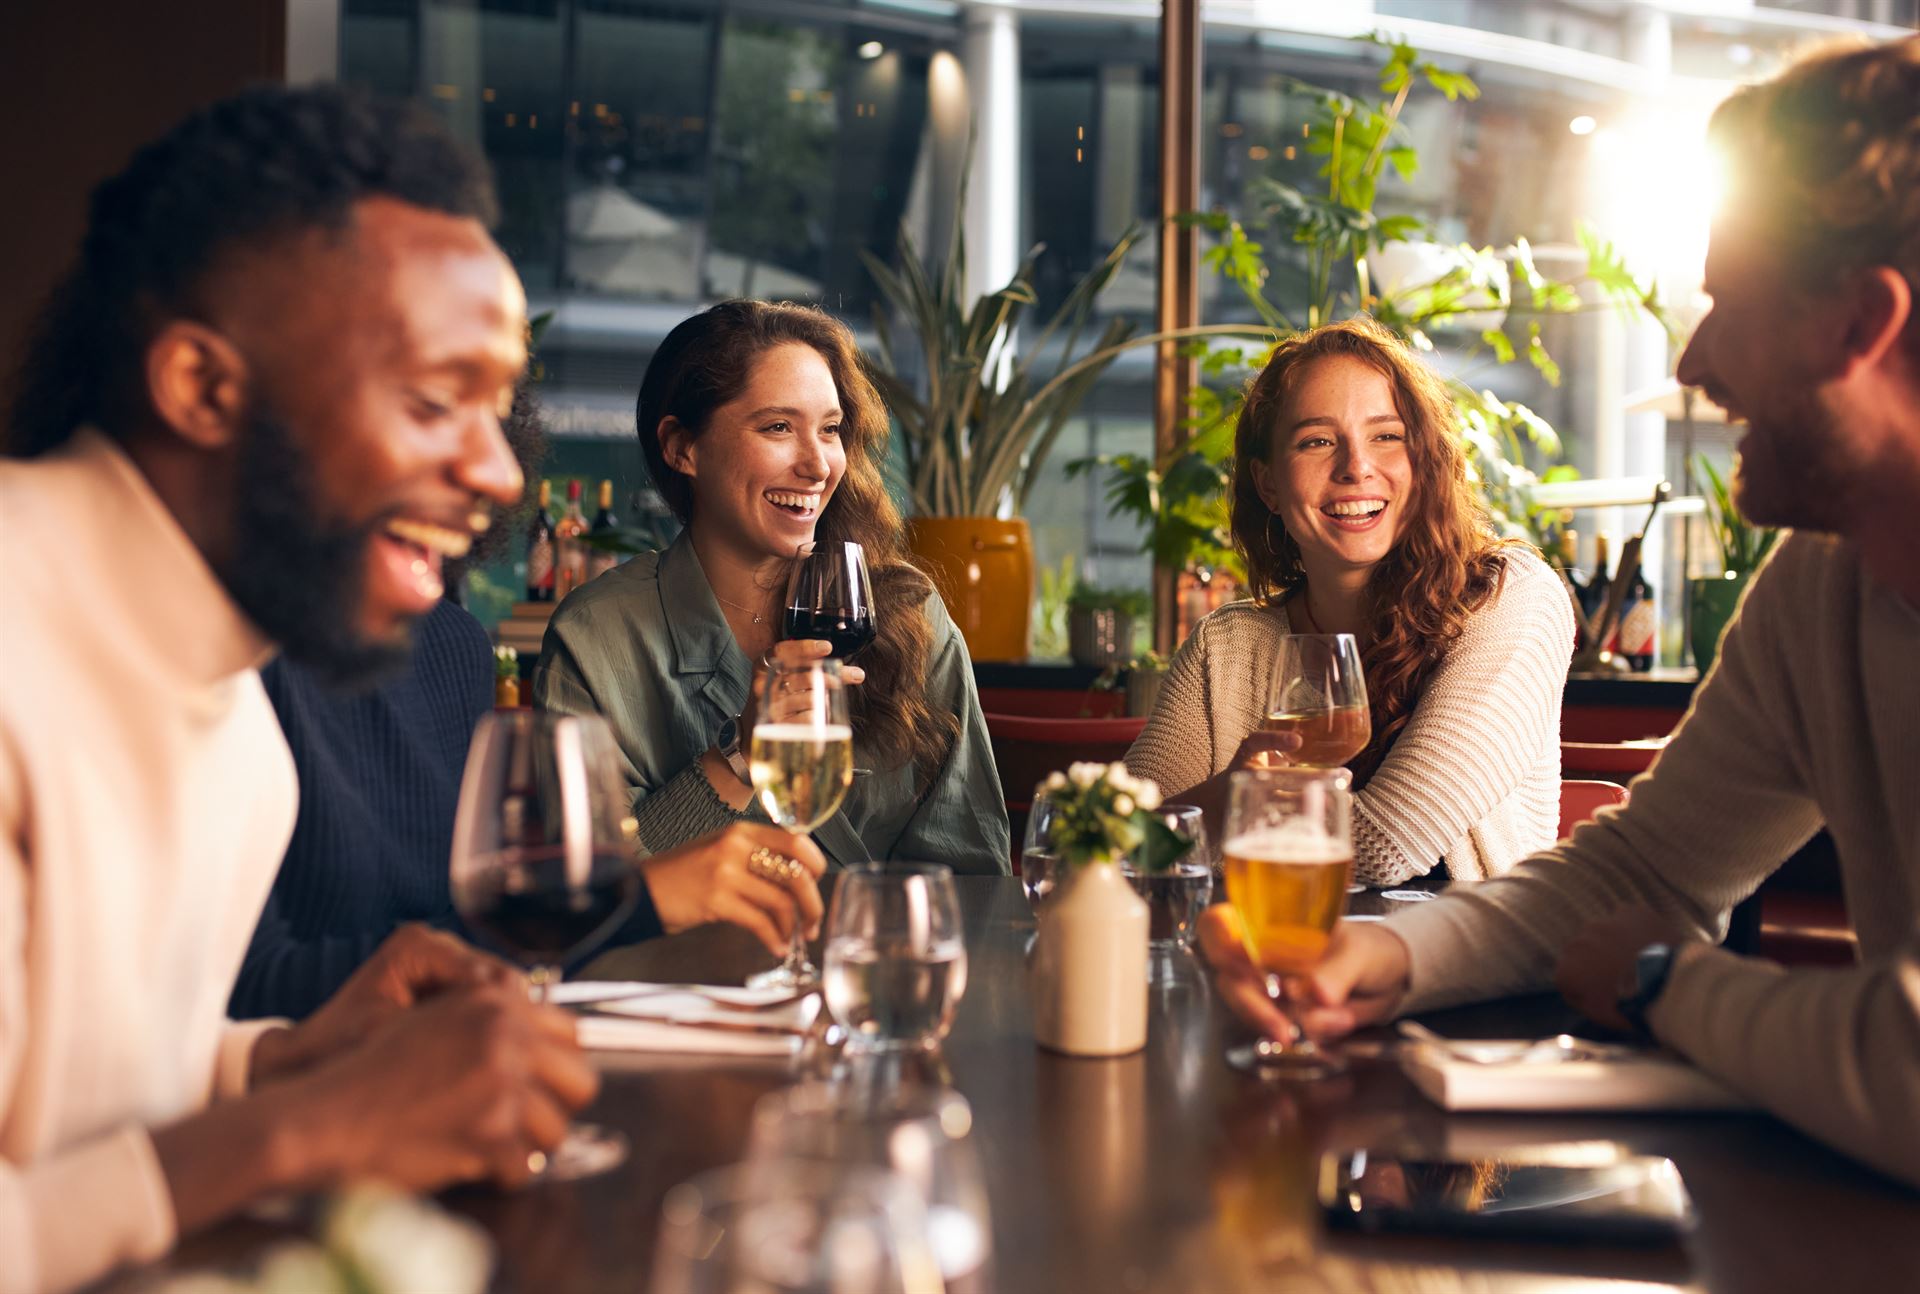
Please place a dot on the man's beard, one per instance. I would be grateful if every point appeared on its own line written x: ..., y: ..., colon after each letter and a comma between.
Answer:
x: 298, y: 576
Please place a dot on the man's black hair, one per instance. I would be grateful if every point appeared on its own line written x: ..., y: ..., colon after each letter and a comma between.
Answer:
x: 266, y: 164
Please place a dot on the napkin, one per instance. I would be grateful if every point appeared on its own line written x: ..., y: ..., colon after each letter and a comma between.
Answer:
x: 1528, y: 1074
x: 693, y: 1021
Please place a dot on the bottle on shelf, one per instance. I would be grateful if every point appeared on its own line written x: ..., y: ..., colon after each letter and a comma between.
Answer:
x: 540, y: 548
x: 1567, y: 558
x: 569, y: 554
x: 602, y: 560
x: 1600, y: 585
x: 1639, y: 623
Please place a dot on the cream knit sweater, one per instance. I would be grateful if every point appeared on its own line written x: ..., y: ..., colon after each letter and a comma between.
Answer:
x: 1811, y: 716
x: 1473, y: 779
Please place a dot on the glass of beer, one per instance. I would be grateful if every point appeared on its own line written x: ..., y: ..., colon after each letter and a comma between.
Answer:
x: 1319, y: 694
x: 1288, y: 852
x: 801, y: 762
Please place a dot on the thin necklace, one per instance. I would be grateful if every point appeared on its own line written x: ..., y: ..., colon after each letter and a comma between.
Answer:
x: 757, y: 617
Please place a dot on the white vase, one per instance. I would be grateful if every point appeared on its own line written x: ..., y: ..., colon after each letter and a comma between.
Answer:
x: 1090, y: 965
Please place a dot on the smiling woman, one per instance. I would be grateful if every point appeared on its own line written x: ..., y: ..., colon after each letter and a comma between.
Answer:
x: 763, y: 433
x: 1352, y: 510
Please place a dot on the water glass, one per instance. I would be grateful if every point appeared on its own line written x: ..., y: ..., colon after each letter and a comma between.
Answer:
x: 1177, y: 895
x: 794, y: 1227
x: 1037, y: 859
x: 920, y: 1133
x: 896, y: 959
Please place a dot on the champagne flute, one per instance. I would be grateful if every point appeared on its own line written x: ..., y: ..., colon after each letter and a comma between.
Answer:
x: 801, y: 763
x: 1319, y: 693
x: 1289, y: 852
x: 543, y: 864
x: 794, y: 1227
x: 830, y: 597
x: 896, y: 955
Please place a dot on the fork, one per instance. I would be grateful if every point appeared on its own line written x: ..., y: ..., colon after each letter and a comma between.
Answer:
x: 702, y: 991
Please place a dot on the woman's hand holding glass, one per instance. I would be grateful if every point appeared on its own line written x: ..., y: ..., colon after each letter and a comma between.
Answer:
x: 712, y: 879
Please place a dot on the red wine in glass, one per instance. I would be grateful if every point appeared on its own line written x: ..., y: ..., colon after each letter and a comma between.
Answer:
x: 525, y: 904
x: 847, y: 633
x: 830, y: 597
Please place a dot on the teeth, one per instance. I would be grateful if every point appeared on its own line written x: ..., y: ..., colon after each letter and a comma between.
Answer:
x: 787, y: 500
x: 1354, y: 508
x: 438, y: 539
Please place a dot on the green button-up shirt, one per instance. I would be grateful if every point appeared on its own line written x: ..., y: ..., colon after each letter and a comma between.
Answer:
x: 646, y: 645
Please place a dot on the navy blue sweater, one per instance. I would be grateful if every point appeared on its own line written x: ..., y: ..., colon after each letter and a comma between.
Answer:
x: 379, y: 781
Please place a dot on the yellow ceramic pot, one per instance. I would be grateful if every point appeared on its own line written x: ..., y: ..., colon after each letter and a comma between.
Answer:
x: 984, y: 571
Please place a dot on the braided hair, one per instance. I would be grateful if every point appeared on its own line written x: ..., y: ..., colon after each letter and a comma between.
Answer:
x: 264, y: 165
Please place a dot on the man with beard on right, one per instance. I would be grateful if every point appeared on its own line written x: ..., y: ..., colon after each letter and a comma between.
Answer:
x: 1811, y: 715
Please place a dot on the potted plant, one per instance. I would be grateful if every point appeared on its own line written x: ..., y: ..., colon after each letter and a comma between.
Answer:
x: 1090, y: 957
x: 1100, y: 623
x: 1743, y: 546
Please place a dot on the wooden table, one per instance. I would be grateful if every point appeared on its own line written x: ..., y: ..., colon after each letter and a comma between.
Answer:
x: 1167, y: 1171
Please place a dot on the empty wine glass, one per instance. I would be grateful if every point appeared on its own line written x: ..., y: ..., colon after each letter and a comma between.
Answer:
x: 1319, y: 694
x: 1289, y: 852
x: 830, y: 597
x: 896, y: 957
x: 801, y: 762
x: 543, y: 863
x: 1037, y: 858
x: 794, y: 1227
x: 919, y: 1132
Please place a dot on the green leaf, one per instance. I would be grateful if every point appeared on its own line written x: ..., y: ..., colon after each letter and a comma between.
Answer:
x: 1405, y: 160
x: 1501, y: 343
x: 1455, y: 85
x: 1537, y: 355
x: 1160, y: 846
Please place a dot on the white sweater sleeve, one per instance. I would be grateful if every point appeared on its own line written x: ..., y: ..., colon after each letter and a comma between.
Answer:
x: 1175, y: 749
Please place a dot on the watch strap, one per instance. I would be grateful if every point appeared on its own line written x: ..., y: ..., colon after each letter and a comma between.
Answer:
x: 1652, y: 966
x: 728, y: 745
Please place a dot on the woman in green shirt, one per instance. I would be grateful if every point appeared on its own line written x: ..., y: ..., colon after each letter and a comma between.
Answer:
x: 762, y: 432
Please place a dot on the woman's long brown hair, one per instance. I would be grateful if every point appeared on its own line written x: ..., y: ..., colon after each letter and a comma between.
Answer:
x: 704, y: 363
x: 1447, y: 560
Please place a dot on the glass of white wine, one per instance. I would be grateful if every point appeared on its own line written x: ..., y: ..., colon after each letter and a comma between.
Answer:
x: 801, y: 762
x: 1319, y: 694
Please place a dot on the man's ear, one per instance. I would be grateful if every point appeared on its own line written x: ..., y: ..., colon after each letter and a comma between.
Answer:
x: 1879, y: 307
x: 197, y: 381
x: 676, y: 447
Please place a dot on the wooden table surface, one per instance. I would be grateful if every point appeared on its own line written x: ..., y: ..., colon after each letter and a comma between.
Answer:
x: 1167, y: 1171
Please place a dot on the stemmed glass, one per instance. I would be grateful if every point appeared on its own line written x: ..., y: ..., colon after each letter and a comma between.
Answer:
x: 801, y: 762
x: 896, y: 955
x: 1177, y: 895
x: 1319, y: 693
x: 1289, y: 852
x: 830, y: 597
x: 543, y: 863
x: 1037, y: 858
x: 794, y: 1227
x: 918, y: 1131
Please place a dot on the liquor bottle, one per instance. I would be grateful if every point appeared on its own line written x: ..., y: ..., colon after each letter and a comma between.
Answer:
x: 569, y: 554
x: 1639, y: 623
x: 602, y: 560
x: 540, y: 548
x: 1568, y: 560
x: 1600, y: 585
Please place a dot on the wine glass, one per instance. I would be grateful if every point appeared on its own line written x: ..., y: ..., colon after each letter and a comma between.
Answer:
x: 830, y: 597
x: 1037, y: 858
x: 801, y: 762
x: 1289, y: 852
x: 794, y: 1227
x: 543, y: 863
x: 896, y: 956
x: 1178, y: 894
x: 1319, y: 693
x: 918, y: 1131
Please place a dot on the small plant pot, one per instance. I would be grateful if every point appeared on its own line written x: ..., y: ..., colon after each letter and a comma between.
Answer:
x: 1098, y: 637
x: 1143, y: 690
x: 1713, y: 605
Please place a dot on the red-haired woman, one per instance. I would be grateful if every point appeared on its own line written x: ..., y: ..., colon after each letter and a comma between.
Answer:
x: 1352, y: 510
x: 762, y: 432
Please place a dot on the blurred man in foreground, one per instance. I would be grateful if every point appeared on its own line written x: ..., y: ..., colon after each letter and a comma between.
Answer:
x: 262, y: 411
x: 1811, y: 718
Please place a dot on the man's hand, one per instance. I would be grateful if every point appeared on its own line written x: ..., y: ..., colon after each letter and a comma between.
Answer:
x: 709, y: 880
x: 1359, y: 982
x: 1596, y: 967
x: 414, y: 963
x: 465, y: 1086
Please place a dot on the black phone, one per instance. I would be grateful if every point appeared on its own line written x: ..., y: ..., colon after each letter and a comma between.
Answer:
x: 1586, y: 1193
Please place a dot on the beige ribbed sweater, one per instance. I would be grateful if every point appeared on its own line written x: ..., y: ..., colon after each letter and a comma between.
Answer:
x: 1811, y: 716
x: 1473, y: 779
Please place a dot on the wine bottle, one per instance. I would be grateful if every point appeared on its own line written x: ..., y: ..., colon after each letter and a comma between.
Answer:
x: 1568, y: 555
x: 602, y: 560
x: 569, y: 554
x: 540, y: 548
x: 1639, y: 623
x: 1600, y: 585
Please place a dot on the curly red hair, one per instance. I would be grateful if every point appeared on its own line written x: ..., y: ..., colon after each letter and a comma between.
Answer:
x: 1447, y: 559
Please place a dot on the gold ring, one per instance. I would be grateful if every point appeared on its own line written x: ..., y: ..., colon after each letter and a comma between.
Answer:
x: 536, y: 1162
x: 778, y: 868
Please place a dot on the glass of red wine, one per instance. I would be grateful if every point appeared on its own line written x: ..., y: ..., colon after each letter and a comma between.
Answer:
x: 830, y: 596
x: 543, y: 863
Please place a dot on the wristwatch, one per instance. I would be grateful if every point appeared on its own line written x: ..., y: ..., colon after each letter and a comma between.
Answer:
x: 1651, y: 967
x: 728, y: 744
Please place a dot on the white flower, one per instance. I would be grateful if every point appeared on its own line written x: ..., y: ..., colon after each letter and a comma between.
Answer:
x: 1084, y: 775
x: 401, y: 1244
x: 1122, y: 780
x: 1123, y: 805
x: 1148, y: 794
x: 300, y: 1268
x: 1054, y: 782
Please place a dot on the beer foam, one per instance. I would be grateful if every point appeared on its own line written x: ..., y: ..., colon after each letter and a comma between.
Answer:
x: 802, y: 732
x: 1293, y: 842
